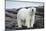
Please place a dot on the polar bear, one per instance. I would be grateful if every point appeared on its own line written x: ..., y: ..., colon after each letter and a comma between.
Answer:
x: 27, y: 15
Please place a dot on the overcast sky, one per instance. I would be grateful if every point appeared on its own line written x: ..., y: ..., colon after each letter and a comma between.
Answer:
x: 13, y: 4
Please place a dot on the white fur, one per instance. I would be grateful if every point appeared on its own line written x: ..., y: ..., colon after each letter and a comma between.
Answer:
x: 26, y: 15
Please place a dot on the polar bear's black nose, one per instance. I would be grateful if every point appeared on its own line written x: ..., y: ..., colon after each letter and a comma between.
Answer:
x: 32, y: 10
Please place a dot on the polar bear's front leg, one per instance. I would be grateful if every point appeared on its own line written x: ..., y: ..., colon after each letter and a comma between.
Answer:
x: 28, y: 22
x: 19, y: 23
x: 32, y: 21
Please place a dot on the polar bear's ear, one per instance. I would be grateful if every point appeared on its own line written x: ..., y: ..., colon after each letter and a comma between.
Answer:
x: 29, y: 8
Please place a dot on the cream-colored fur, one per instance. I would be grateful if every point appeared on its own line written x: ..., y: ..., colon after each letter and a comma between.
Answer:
x: 26, y: 15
